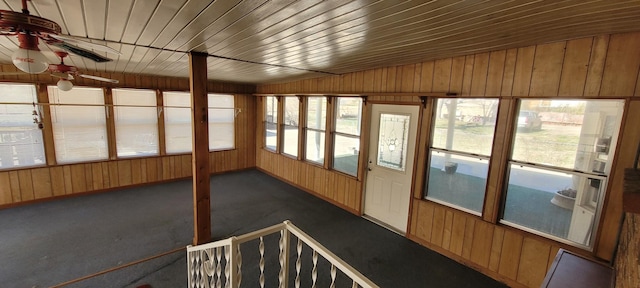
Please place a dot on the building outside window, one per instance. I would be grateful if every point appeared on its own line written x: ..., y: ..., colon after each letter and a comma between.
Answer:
x: 271, y: 122
x: 290, y: 126
x: 136, y: 121
x: 20, y: 138
x: 462, y: 140
x: 346, y: 142
x: 315, y: 129
x: 177, y: 122
x: 221, y: 122
x: 79, y: 124
x: 560, y: 163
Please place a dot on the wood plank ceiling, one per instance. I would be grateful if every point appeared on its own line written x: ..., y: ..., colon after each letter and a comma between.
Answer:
x: 259, y: 41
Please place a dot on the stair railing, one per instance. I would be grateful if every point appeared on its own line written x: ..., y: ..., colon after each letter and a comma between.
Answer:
x: 219, y: 264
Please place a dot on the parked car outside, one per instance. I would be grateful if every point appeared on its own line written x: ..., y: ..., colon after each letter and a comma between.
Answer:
x: 529, y: 120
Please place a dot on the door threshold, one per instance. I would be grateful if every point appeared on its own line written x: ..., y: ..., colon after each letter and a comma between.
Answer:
x: 384, y: 225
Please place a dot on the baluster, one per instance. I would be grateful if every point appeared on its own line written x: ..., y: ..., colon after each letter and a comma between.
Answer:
x: 355, y: 284
x: 261, y: 249
x: 281, y: 260
x: 239, y: 259
x: 219, y: 267
x: 298, y: 262
x: 314, y: 271
x: 333, y: 276
x: 209, y: 267
x: 227, y: 266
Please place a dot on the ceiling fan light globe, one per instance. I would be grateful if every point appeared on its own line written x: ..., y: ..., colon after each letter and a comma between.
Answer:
x: 30, y: 61
x: 64, y: 85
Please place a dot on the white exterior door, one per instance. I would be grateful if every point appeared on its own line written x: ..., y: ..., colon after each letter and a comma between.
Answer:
x: 390, y: 164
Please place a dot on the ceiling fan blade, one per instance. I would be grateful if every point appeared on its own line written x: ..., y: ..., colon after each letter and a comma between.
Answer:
x: 100, y: 78
x: 83, y: 43
x: 80, y: 52
x: 64, y: 76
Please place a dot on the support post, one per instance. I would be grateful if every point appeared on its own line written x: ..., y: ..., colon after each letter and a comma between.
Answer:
x: 200, y: 151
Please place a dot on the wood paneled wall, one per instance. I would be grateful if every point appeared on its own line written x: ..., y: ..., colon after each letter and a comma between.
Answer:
x: 29, y: 184
x: 605, y: 66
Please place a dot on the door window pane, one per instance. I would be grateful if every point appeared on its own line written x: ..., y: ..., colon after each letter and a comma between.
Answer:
x: 392, y: 141
x: 20, y: 138
x: 136, y: 120
x: 177, y: 122
x: 290, y: 131
x: 79, y: 124
x: 561, y: 158
x: 271, y: 123
x: 221, y: 122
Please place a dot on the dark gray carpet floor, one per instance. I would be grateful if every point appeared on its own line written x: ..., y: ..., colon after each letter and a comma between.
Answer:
x: 53, y: 242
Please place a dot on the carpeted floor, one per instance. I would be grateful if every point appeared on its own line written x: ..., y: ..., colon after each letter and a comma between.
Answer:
x: 49, y: 243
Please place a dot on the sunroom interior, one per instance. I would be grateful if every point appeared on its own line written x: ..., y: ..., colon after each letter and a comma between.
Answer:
x: 495, y: 134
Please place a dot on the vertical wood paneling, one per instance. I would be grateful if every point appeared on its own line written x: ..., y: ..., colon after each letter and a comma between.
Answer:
x: 522, y: 72
x: 509, y: 70
x: 446, y: 234
x: 14, y: 181
x: 98, y: 181
x: 457, y: 233
x: 426, y: 77
x: 78, y: 178
x: 621, y: 67
x: 425, y: 221
x: 457, y: 74
x: 26, y: 185
x: 533, y: 262
x: 68, y: 182
x: 467, y: 244
x: 467, y: 76
x: 41, y: 183
x: 574, y: 68
x: 510, y: 256
x: 442, y: 75
x: 496, y: 249
x: 124, y: 172
x: 5, y: 189
x: 482, y: 243
x: 479, y: 76
x: 57, y: 181
x: 438, y: 225
x: 547, y: 68
x: 494, y: 73
x: 596, y: 65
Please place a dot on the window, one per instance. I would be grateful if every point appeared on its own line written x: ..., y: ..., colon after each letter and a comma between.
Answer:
x: 271, y: 122
x: 315, y: 129
x: 136, y: 120
x: 20, y: 138
x: 79, y: 124
x: 177, y: 122
x: 559, y: 165
x: 290, y: 126
x: 460, y: 151
x: 221, y: 122
x: 346, y: 142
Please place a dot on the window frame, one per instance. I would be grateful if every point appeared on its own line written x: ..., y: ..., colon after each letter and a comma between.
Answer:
x: 209, y: 108
x: 267, y: 122
x: 335, y: 133
x: 283, y: 126
x: 316, y: 130
x: 430, y: 149
x: 603, y: 177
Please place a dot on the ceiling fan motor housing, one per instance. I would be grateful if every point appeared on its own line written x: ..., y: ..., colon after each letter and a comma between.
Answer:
x: 15, y: 22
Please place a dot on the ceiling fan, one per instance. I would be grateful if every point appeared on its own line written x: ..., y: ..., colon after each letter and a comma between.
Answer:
x: 66, y: 73
x: 30, y: 29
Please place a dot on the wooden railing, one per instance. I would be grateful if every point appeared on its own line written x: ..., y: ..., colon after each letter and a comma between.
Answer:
x: 219, y: 264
